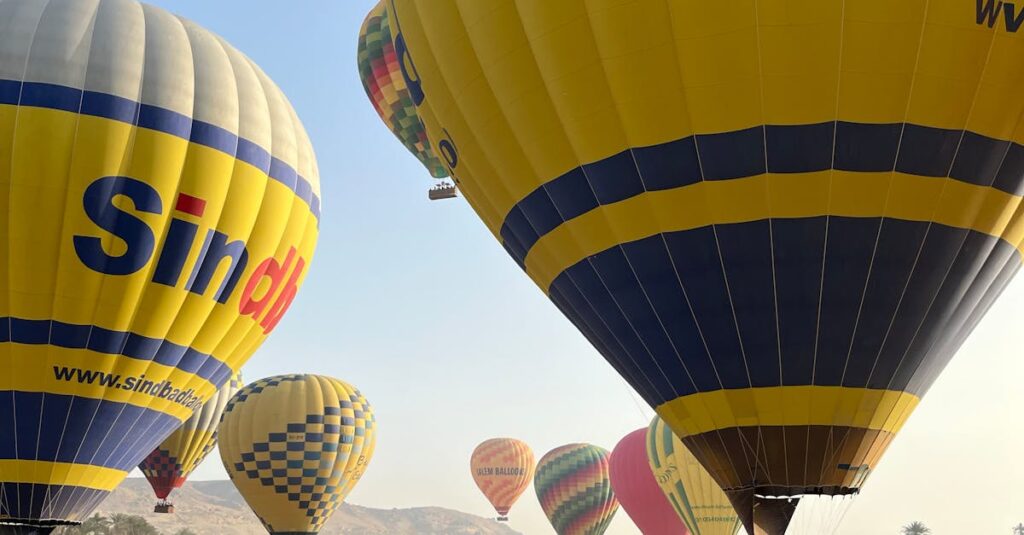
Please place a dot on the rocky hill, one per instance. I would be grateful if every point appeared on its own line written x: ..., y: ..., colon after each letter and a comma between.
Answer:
x: 216, y: 508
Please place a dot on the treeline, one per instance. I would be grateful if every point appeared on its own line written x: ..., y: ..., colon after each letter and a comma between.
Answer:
x: 116, y: 524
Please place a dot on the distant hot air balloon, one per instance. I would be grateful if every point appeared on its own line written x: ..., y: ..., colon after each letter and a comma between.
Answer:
x: 382, y: 79
x: 573, y: 489
x: 169, y: 465
x: 777, y: 220
x: 503, y: 469
x: 160, y: 204
x: 638, y: 492
x: 695, y: 496
x: 295, y: 446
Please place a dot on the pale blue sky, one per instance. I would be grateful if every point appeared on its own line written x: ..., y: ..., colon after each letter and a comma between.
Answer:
x: 416, y: 304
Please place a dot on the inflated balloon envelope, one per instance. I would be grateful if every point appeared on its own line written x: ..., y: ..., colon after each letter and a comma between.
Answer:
x: 169, y: 464
x: 295, y: 446
x: 161, y: 205
x: 502, y: 469
x: 778, y: 220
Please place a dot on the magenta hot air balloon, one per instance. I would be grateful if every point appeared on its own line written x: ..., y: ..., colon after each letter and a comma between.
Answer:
x: 634, y: 485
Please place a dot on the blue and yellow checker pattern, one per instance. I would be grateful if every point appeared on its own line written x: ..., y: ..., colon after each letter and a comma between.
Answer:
x: 295, y: 446
x: 777, y: 219
x: 149, y: 174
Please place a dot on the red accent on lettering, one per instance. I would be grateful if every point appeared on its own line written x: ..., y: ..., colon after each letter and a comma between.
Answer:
x: 284, y: 300
x: 271, y: 269
x: 190, y: 205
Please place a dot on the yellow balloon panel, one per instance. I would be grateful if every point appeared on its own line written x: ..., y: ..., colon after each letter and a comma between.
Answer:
x: 162, y: 204
x: 295, y: 446
x: 695, y: 496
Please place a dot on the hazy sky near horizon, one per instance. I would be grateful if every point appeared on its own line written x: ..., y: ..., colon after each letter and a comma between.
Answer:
x: 416, y: 304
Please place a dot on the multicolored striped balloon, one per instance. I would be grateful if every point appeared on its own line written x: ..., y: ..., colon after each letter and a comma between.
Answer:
x: 574, y: 489
x: 383, y: 82
x: 502, y: 468
x: 169, y: 465
x: 698, y: 500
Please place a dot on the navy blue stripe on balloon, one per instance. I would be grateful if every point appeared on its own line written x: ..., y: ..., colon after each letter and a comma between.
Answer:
x: 57, y: 97
x: 689, y: 311
x: 101, y: 340
x: 858, y: 147
x: 48, y: 505
x: 79, y: 430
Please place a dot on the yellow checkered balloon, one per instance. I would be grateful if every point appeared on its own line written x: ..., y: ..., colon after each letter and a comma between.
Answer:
x: 295, y: 446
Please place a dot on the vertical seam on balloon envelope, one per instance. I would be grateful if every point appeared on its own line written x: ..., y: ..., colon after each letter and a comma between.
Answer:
x: 596, y: 314
x: 881, y: 223
x: 200, y: 259
x: 672, y: 258
x: 771, y: 243
x: 828, y: 220
x: 611, y: 222
x: 142, y: 293
x: 478, y: 197
x: 49, y: 503
x: 8, y: 347
x: 924, y: 316
x: 303, y: 236
x: 721, y: 260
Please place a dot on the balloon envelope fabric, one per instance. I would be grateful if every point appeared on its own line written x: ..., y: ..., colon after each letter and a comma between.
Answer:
x: 161, y: 203
x: 573, y: 488
x: 777, y: 219
x: 502, y: 468
x: 384, y: 85
x: 169, y: 465
x: 638, y: 492
x: 295, y: 446
x: 696, y: 497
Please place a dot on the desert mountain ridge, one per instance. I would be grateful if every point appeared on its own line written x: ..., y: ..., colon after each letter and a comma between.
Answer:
x: 216, y: 508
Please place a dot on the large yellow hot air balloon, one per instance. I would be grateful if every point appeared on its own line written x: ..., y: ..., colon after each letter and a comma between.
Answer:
x: 169, y: 465
x: 697, y: 499
x: 777, y: 219
x: 161, y: 202
x: 502, y: 468
x: 295, y: 446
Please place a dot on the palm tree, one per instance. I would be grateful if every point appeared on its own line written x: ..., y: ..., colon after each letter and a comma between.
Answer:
x: 915, y: 528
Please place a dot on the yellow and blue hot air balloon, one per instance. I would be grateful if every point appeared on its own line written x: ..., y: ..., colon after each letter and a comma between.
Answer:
x: 777, y: 219
x: 295, y: 446
x: 169, y: 465
x: 161, y: 204
x: 696, y: 498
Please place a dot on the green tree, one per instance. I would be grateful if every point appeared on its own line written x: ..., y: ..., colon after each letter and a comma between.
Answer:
x: 915, y: 528
x: 130, y: 525
x: 94, y: 525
